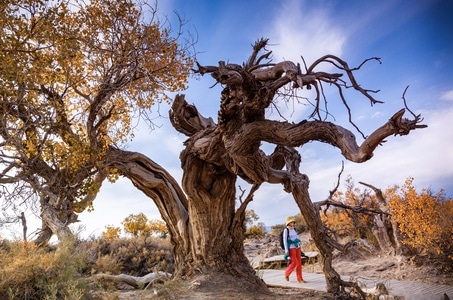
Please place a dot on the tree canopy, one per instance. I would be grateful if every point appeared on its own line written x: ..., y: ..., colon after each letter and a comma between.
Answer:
x: 74, y: 78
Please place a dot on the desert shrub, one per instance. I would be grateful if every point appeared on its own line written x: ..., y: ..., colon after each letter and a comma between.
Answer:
x: 170, y: 289
x: 108, y: 264
x: 28, y: 272
x: 301, y: 226
x: 135, y: 256
x: 253, y: 229
x: 276, y: 229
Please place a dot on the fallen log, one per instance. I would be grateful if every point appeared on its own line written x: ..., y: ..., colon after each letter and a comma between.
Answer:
x: 130, y: 281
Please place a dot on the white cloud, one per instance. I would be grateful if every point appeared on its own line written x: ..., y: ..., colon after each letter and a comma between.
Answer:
x: 424, y: 154
x: 447, y: 96
x: 302, y: 31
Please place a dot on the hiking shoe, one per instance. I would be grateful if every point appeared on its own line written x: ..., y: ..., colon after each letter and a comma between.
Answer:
x: 286, y: 278
x: 301, y: 281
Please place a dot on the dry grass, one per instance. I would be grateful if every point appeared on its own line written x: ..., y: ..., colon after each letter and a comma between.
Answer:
x: 29, y: 272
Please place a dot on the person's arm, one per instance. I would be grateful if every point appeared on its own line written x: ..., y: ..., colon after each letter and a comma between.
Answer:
x: 285, y: 240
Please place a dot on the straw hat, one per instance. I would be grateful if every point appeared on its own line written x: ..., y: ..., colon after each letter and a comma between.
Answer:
x: 289, y: 220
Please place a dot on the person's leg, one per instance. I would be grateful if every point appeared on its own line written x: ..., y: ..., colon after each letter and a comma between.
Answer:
x: 292, y: 264
x: 298, y: 264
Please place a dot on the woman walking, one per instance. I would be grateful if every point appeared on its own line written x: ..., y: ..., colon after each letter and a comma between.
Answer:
x: 293, y: 250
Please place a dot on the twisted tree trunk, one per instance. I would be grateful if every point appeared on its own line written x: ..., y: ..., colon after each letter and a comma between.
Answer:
x: 206, y: 233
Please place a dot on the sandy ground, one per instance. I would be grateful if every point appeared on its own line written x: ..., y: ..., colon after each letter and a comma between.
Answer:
x: 357, y: 264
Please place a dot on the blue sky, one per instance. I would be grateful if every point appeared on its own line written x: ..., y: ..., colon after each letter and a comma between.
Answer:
x: 414, y: 40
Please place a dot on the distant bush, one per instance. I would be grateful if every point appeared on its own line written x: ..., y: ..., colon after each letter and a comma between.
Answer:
x: 301, y: 226
x: 139, y: 225
x: 111, y: 232
x: 256, y: 231
x: 276, y: 229
x: 345, y: 223
x: 253, y: 229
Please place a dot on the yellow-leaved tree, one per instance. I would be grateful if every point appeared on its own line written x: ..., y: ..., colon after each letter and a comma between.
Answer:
x: 425, y: 220
x: 111, y: 232
x: 73, y: 75
x: 136, y: 224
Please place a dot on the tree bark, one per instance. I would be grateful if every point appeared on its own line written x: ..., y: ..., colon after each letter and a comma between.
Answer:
x: 51, y: 218
x: 56, y: 215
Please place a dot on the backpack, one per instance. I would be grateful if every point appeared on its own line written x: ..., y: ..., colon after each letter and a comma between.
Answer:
x: 282, y: 244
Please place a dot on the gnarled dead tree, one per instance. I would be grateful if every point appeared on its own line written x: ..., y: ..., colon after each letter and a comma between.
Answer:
x: 216, y: 154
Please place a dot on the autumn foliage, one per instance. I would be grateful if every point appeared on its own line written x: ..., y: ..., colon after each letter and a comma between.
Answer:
x: 137, y: 225
x: 424, y: 219
x: 73, y: 76
x: 344, y: 222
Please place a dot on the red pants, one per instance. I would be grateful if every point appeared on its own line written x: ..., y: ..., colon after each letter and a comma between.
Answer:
x: 296, y: 263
